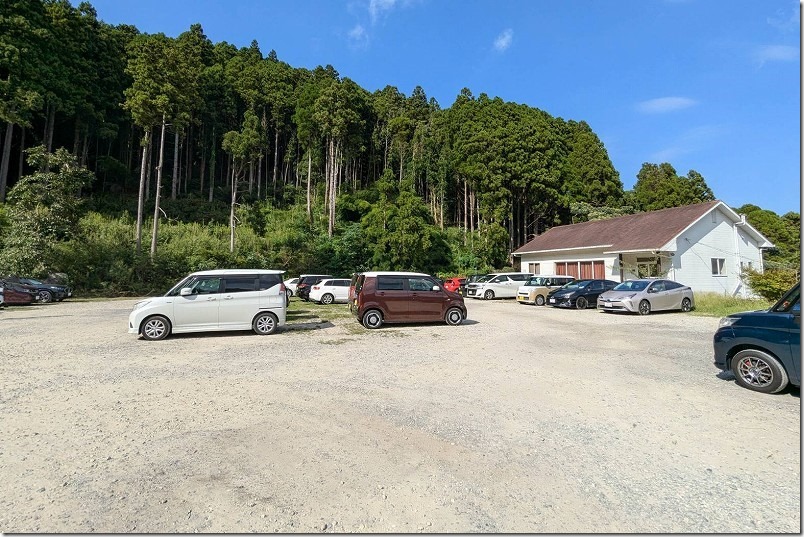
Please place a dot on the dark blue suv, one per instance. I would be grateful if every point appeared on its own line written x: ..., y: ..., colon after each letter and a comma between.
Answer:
x: 763, y: 348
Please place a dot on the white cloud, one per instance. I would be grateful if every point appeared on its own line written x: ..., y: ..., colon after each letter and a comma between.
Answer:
x: 358, y: 37
x: 377, y: 8
x: 503, y: 40
x: 665, y: 104
x: 776, y: 53
x: 786, y: 22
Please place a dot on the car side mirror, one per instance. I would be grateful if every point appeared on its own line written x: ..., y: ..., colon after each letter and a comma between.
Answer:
x: 186, y: 291
x: 435, y: 288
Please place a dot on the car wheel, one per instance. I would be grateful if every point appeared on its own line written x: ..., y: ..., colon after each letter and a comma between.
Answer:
x: 372, y: 319
x: 327, y: 299
x: 155, y: 328
x: 581, y: 303
x: 454, y: 316
x: 539, y: 300
x: 289, y: 291
x: 644, y: 307
x: 758, y: 371
x: 488, y: 295
x: 686, y: 305
x: 264, y: 323
x: 45, y: 296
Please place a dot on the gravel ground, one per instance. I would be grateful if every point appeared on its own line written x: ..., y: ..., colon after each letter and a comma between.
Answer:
x: 523, y: 419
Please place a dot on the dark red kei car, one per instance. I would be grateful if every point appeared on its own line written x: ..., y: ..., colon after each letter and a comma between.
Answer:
x: 14, y: 294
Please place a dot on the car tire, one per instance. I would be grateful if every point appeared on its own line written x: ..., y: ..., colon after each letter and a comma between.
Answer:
x: 644, y: 307
x: 372, y: 319
x: 289, y: 291
x: 45, y: 296
x: 539, y: 300
x: 758, y: 371
x: 581, y: 303
x: 155, y: 328
x: 265, y: 323
x: 489, y: 295
x: 453, y: 317
x: 686, y: 305
x: 327, y: 299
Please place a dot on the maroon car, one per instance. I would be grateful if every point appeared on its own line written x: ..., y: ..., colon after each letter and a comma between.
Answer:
x: 16, y: 294
x: 404, y: 297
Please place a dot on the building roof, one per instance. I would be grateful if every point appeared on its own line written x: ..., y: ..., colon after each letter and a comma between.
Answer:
x: 634, y: 232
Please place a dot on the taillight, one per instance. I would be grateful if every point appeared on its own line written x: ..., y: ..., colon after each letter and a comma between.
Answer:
x: 315, y: 288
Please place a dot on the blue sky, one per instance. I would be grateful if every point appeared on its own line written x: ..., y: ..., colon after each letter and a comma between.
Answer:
x: 708, y: 85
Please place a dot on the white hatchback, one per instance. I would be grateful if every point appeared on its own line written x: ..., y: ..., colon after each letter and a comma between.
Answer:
x: 329, y: 291
x: 214, y: 300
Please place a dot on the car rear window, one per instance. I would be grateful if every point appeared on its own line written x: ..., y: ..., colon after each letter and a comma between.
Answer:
x: 269, y: 280
x: 389, y: 283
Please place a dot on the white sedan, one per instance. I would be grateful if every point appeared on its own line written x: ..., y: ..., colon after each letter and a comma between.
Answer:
x: 329, y: 291
x: 290, y: 286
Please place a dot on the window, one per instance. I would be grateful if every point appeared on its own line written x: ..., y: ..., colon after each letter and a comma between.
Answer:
x: 205, y: 286
x: 534, y: 268
x: 647, y: 267
x: 596, y: 286
x: 389, y: 283
x: 717, y: 266
x: 657, y: 287
x: 269, y: 280
x: 668, y: 285
x: 240, y: 284
x: 341, y: 283
x: 519, y: 277
x: 420, y: 284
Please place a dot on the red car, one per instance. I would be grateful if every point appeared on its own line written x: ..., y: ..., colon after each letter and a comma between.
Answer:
x: 454, y: 284
x: 15, y: 294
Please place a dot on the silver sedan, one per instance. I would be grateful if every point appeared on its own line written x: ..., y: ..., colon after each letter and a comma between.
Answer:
x: 644, y: 296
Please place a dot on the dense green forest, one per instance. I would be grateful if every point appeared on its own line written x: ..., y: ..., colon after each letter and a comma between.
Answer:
x: 129, y: 159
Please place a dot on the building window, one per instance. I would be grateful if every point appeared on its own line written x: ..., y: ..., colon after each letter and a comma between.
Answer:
x: 534, y: 268
x: 648, y: 267
x: 717, y: 266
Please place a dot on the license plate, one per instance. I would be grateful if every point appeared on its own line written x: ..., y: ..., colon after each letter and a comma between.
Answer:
x: 552, y: 301
x: 520, y: 298
x: 607, y: 304
x: 471, y: 292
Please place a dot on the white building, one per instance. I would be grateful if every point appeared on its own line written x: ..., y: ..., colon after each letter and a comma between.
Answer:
x: 705, y: 246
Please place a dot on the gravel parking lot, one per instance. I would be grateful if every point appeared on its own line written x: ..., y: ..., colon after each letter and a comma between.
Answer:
x: 523, y: 419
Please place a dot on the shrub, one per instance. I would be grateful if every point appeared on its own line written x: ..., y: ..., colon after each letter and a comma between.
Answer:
x: 771, y: 284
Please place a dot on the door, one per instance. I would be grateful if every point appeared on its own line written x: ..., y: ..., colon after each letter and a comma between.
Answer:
x: 393, y: 298
x: 240, y: 301
x: 426, y: 304
x: 199, y: 310
x: 660, y: 298
x: 341, y: 290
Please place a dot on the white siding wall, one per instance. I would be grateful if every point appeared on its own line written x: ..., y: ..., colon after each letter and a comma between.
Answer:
x: 548, y: 261
x: 695, y: 248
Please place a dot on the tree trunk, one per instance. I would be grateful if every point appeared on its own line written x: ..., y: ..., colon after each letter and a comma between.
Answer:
x: 22, y: 154
x: 309, y: 183
x: 212, y: 163
x: 259, y: 176
x: 157, y: 194
x: 175, y: 178
x: 141, y: 197
x: 5, y: 162
x: 50, y: 127
x: 276, y: 156
x: 232, y: 211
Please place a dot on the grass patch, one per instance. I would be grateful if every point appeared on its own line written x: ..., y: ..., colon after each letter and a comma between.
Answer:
x: 300, y: 309
x: 717, y: 305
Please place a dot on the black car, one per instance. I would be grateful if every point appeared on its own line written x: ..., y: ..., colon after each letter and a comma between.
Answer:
x: 306, y: 281
x: 45, y: 292
x: 763, y: 348
x: 579, y: 294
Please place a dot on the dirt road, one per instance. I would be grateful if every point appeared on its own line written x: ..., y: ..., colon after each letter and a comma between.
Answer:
x: 524, y: 419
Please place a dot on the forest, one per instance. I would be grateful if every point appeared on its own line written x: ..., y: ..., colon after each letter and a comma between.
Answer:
x: 129, y: 159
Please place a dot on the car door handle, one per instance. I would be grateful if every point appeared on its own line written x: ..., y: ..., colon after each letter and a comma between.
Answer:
x: 210, y: 299
x: 230, y: 297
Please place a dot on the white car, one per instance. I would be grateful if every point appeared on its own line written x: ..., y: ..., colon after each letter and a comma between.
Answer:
x: 214, y: 300
x: 498, y: 285
x: 329, y: 291
x: 290, y: 285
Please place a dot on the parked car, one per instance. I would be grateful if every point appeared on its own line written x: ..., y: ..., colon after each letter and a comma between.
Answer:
x: 214, y: 300
x: 763, y: 348
x: 46, y: 292
x: 329, y: 291
x: 454, y: 284
x: 579, y: 294
x: 497, y: 285
x: 306, y: 281
x: 290, y: 285
x: 404, y: 297
x: 472, y: 278
x: 16, y: 294
x: 536, y: 288
x: 647, y: 295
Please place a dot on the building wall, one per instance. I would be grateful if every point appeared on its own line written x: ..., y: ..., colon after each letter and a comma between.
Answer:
x: 715, y: 239
x: 547, y: 261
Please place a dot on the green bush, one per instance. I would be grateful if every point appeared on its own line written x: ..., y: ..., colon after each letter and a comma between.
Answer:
x: 771, y: 284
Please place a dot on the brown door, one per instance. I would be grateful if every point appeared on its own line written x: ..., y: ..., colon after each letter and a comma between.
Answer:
x: 426, y: 304
x: 600, y: 270
x: 586, y: 270
x: 393, y: 298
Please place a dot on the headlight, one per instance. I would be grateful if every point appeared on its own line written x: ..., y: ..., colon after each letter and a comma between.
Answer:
x: 727, y: 321
x: 141, y: 303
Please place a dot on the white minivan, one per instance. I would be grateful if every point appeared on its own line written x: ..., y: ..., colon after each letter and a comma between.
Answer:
x: 497, y: 285
x: 214, y: 300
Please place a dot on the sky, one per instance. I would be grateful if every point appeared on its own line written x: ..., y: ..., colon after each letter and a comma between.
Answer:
x: 707, y: 85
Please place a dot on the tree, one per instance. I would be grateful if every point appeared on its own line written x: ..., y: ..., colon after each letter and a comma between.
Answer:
x: 242, y: 146
x: 659, y: 187
x: 43, y: 209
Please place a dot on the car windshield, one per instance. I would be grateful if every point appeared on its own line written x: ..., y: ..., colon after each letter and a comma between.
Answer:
x: 536, y: 280
x: 632, y: 285
x: 482, y: 279
x: 576, y: 285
